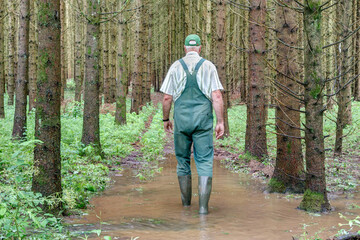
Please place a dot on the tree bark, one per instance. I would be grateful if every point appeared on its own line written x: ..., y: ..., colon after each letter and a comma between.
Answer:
x: 315, y: 197
x: 255, y: 140
x: 356, y: 8
x: 136, y: 101
x: 11, y: 52
x: 220, y: 61
x: 33, y: 51
x: 78, y: 55
x: 121, y: 83
x: 63, y: 63
x: 19, y: 128
x: 113, y: 57
x: 47, y: 158
x: 145, y: 36
x: 344, y: 95
x: 91, y: 127
x: 2, y: 66
x: 289, y: 167
x: 106, y: 60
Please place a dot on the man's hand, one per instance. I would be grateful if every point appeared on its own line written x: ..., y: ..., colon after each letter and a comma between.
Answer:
x: 218, y: 105
x: 219, y: 130
x: 168, y: 127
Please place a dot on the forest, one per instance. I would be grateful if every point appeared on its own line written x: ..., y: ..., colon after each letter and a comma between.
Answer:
x: 83, y: 150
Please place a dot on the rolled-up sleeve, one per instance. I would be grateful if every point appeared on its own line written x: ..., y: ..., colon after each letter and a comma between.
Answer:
x: 168, y: 83
x: 215, y: 81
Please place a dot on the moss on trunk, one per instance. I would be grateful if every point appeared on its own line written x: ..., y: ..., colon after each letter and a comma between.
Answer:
x: 313, y: 202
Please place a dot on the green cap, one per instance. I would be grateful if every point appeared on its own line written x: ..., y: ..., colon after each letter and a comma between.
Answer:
x: 192, y: 40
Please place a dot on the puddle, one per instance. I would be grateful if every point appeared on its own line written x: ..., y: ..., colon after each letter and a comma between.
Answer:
x: 238, y: 210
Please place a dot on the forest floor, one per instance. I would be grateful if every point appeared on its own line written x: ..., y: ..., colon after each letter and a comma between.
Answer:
x: 343, y: 174
x: 140, y: 145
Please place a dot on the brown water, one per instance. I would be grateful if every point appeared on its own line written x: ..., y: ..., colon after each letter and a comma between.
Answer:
x: 239, y: 209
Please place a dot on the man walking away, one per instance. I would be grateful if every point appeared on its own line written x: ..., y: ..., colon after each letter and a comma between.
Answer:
x: 193, y: 84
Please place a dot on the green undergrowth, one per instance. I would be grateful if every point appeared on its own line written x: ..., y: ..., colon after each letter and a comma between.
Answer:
x: 152, y: 145
x: 237, y: 124
x: 342, y: 172
x: 84, y: 173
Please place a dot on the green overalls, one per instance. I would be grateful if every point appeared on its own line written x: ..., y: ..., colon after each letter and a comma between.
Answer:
x: 193, y: 124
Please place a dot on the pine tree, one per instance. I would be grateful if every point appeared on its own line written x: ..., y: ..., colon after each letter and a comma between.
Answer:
x: 47, y: 158
x: 33, y: 51
x: 121, y: 83
x: 137, y: 74
x: 2, y: 66
x: 344, y: 86
x: 221, y: 53
x: 91, y: 128
x: 289, y: 166
x: 22, y: 80
x: 11, y: 51
x: 255, y: 140
x: 315, y: 197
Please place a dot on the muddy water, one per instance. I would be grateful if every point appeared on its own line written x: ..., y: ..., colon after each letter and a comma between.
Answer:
x: 238, y: 210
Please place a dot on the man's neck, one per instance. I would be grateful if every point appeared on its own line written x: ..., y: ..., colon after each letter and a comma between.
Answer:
x: 192, y: 53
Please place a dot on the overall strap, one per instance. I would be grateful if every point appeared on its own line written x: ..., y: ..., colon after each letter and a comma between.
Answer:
x: 184, y: 66
x: 198, y: 65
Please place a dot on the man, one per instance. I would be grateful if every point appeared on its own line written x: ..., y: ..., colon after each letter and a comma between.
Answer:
x: 193, y: 84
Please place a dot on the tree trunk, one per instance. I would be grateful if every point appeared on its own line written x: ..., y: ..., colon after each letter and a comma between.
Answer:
x: 107, y: 80
x: 2, y: 66
x: 63, y: 38
x: 19, y: 127
x: 344, y: 95
x: 289, y: 166
x: 315, y: 197
x: 11, y: 53
x: 255, y: 140
x: 113, y: 57
x: 208, y: 30
x: 138, y: 60
x: 83, y: 47
x: 91, y: 128
x: 245, y: 58
x: 356, y: 7
x: 121, y: 83
x: 220, y: 61
x: 145, y: 36
x: 78, y: 55
x: 101, y: 61
x: 47, y: 158
x: 33, y: 51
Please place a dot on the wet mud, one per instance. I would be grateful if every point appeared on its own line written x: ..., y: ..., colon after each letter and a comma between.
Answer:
x: 239, y: 209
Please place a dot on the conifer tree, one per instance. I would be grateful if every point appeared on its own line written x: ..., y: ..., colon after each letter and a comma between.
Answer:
x: 47, y: 158
x: 22, y: 80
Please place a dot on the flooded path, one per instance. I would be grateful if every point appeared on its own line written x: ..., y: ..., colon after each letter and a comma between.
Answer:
x: 238, y: 210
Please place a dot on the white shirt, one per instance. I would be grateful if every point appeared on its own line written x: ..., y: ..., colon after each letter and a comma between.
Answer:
x: 207, y: 77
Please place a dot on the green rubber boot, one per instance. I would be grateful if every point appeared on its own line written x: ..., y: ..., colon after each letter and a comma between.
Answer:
x: 205, y: 184
x: 185, y: 189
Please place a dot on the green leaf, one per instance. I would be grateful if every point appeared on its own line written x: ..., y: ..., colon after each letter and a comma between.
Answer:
x: 97, y: 231
x: 18, y: 179
x: 2, y: 211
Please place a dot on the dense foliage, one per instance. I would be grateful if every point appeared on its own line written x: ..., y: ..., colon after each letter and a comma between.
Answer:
x: 83, y: 173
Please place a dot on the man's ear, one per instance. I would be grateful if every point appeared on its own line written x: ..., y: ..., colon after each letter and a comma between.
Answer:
x: 185, y: 49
